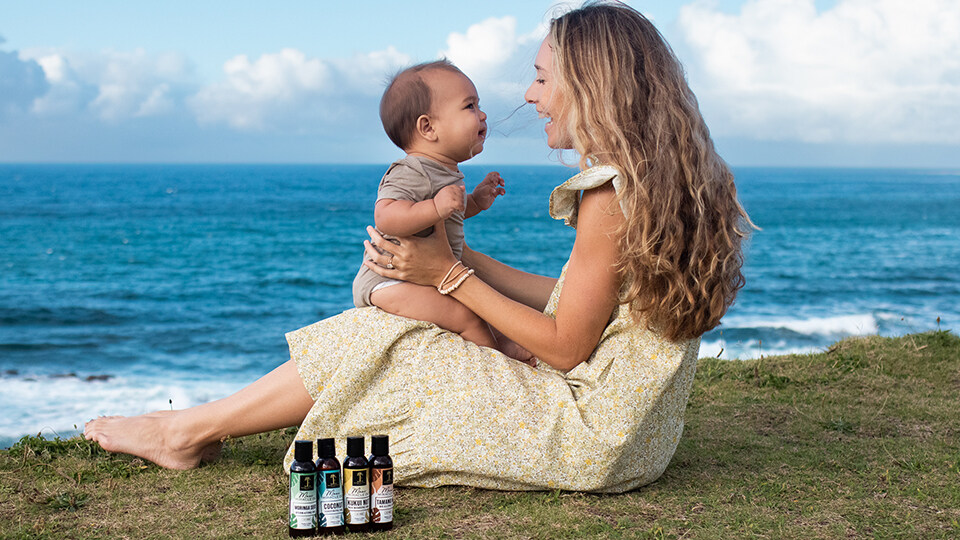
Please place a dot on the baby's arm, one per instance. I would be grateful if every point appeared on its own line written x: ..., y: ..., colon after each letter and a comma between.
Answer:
x: 404, y: 218
x: 484, y: 194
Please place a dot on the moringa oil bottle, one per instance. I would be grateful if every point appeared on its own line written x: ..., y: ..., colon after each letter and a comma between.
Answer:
x: 303, y: 491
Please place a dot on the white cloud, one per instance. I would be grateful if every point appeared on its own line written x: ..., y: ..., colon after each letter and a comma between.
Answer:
x: 252, y: 90
x: 291, y: 90
x: 158, y: 102
x: 485, y: 47
x: 368, y: 73
x: 285, y: 92
x: 864, y: 71
x: 21, y: 81
x: 68, y: 94
x: 536, y: 35
x: 498, y: 60
x: 115, y: 86
x: 135, y: 83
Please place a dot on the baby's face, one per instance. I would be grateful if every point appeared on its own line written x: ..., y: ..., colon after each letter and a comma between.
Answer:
x: 455, y: 113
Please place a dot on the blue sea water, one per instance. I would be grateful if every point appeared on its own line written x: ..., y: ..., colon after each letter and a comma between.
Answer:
x: 129, y: 288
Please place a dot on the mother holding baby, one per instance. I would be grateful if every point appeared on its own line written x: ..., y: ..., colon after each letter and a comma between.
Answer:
x: 655, y: 264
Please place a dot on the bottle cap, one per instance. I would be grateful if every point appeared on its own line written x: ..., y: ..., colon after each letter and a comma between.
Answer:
x: 326, y: 448
x: 355, y: 446
x: 380, y: 445
x: 303, y: 450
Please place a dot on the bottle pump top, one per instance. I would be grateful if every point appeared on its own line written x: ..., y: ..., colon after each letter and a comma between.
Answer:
x: 355, y: 446
x: 381, y: 445
x: 303, y: 451
x: 326, y: 448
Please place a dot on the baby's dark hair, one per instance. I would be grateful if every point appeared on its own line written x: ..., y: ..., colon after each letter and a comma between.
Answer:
x: 406, y: 98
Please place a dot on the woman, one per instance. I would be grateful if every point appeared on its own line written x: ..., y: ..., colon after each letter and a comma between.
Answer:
x: 656, y: 262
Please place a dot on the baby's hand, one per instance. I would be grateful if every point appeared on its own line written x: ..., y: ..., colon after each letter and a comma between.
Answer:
x: 488, y: 190
x: 449, y: 200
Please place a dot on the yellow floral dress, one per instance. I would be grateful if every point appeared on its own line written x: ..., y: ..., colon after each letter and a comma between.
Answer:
x: 462, y: 414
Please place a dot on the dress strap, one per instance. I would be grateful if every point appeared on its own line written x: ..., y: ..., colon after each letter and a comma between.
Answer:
x: 565, y: 199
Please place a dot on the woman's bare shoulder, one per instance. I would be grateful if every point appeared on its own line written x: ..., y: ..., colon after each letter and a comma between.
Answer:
x: 599, y: 206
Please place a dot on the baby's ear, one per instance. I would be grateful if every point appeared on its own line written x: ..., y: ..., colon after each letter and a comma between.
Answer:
x: 425, y: 129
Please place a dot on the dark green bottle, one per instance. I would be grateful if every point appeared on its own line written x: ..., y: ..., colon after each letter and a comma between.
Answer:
x: 303, y: 491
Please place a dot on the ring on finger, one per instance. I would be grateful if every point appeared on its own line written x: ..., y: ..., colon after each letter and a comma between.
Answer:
x: 389, y: 266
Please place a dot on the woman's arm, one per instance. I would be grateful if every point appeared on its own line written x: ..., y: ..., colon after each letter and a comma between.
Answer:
x: 529, y: 289
x: 588, y: 298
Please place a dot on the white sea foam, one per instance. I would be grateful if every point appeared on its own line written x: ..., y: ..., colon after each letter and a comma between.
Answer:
x: 778, y: 335
x: 836, y: 326
x: 59, y: 406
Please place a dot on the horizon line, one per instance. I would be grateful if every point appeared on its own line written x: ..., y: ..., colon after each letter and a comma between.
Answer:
x: 470, y: 165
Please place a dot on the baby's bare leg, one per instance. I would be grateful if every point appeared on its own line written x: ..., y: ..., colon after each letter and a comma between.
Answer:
x: 427, y: 304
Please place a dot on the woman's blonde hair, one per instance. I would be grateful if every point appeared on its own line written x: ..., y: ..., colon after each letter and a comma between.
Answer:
x: 626, y: 103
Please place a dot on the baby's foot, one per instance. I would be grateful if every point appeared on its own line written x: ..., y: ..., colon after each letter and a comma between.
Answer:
x: 511, y: 349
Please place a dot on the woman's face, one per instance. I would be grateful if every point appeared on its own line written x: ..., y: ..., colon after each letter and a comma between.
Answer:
x: 543, y: 93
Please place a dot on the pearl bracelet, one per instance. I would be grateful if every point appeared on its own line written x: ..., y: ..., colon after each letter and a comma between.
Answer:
x: 449, y: 272
x: 463, y: 277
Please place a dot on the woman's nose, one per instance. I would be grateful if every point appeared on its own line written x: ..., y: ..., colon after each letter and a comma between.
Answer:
x: 528, y: 96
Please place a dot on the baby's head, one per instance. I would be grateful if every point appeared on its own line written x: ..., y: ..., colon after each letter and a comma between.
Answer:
x: 433, y: 107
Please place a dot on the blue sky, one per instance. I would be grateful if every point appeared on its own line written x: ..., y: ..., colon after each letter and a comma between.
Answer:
x: 780, y: 82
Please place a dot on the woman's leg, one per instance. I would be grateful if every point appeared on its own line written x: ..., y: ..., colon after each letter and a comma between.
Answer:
x: 179, y: 439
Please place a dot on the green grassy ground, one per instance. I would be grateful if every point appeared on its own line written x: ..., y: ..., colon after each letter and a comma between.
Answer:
x: 860, y: 441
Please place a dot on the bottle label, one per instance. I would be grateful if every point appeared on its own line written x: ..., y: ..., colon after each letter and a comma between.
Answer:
x: 356, y: 495
x: 303, y: 500
x: 331, y: 499
x: 381, y: 501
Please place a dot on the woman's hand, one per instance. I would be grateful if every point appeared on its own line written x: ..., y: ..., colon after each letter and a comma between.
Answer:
x: 423, y: 261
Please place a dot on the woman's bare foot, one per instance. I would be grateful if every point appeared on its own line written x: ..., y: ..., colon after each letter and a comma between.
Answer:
x: 210, y: 453
x: 155, y: 436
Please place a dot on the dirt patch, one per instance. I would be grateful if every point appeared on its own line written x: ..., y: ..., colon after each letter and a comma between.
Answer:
x: 481, y: 525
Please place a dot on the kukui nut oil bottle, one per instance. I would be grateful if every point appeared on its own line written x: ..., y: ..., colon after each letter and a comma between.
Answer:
x: 356, y: 487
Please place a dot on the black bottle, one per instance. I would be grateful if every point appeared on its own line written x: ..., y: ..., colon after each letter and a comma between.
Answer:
x: 303, y: 491
x: 381, y: 484
x: 356, y: 487
x: 329, y: 489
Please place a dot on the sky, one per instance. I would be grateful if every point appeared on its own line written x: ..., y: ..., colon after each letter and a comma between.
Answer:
x: 822, y: 83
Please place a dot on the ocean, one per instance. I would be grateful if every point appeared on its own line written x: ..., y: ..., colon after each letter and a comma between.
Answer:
x: 130, y: 288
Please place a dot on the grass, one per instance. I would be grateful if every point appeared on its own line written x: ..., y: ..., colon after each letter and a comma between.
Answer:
x: 862, y: 440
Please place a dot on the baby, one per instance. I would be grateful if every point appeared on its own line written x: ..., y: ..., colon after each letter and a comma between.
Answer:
x: 432, y: 112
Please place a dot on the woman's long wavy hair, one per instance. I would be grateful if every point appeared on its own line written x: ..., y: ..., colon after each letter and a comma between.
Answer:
x: 626, y: 103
